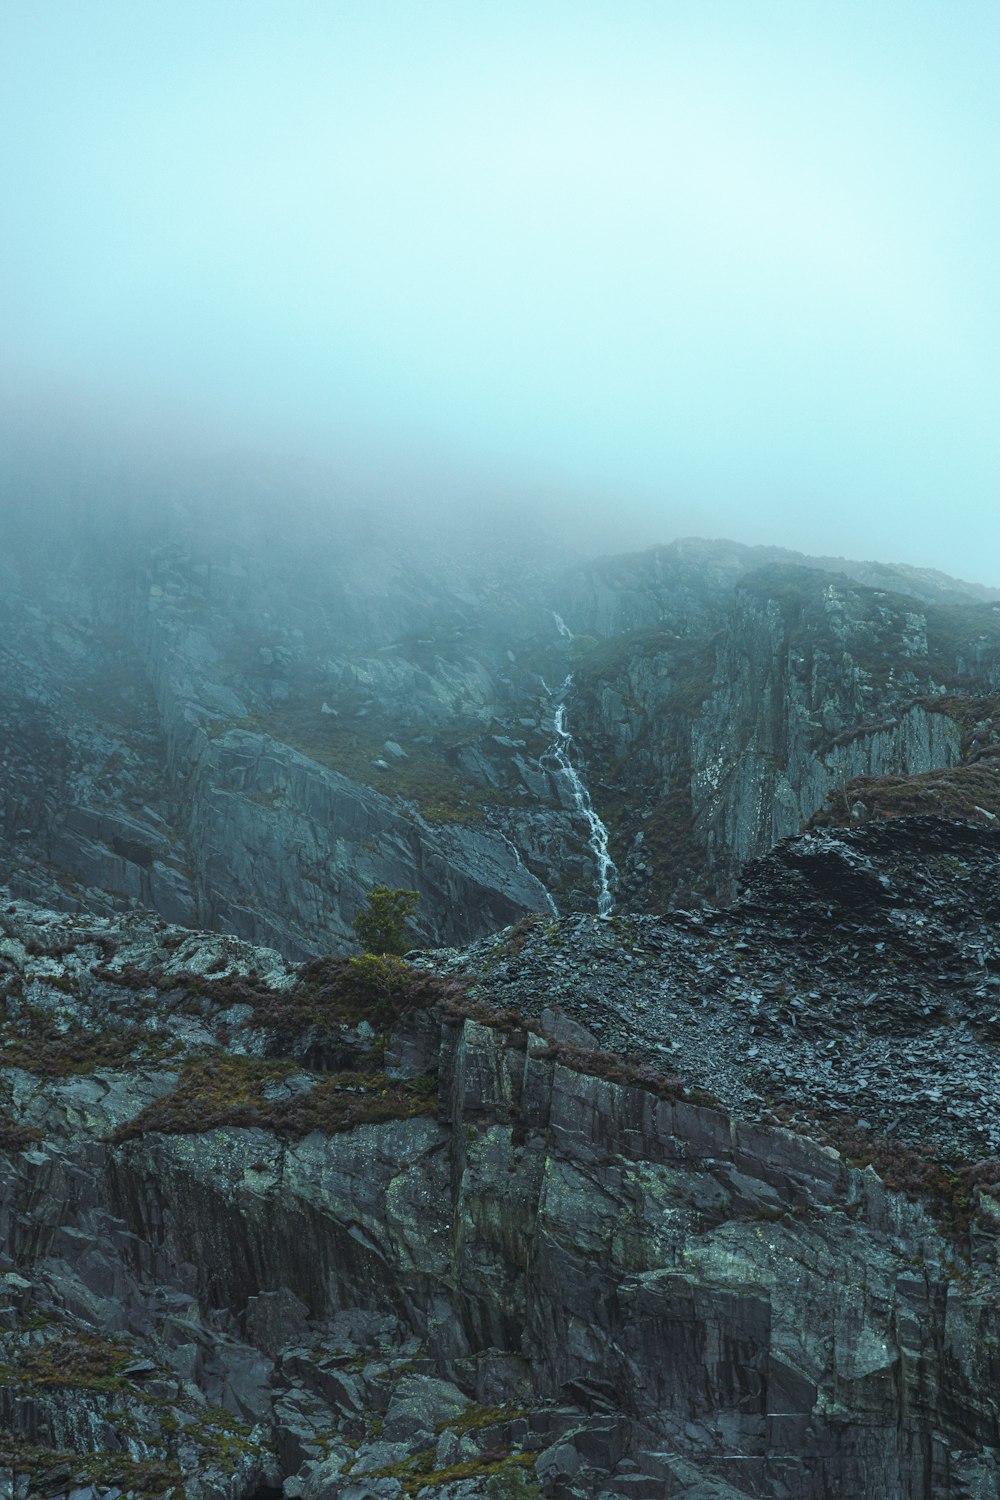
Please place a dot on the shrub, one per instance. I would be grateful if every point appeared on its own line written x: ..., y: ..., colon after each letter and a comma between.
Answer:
x: 381, y: 923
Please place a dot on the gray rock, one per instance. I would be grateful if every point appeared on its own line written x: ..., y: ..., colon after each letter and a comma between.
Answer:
x: 419, y: 1404
x: 276, y: 1320
x: 557, y: 1024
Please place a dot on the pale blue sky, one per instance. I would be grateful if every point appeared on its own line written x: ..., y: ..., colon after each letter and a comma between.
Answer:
x: 714, y: 268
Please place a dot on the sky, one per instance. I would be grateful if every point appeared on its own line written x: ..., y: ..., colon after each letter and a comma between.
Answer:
x: 657, y: 268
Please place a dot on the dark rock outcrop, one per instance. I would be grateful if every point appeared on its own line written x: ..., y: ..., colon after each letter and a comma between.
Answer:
x: 357, y: 1232
x: 731, y: 718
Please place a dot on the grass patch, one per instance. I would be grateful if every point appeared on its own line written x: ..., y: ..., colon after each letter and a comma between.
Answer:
x: 428, y: 775
x: 475, y: 1417
x: 418, y: 1473
x: 218, y: 1091
x: 82, y: 1362
x: 51, y: 1471
x: 221, y: 1439
x: 964, y: 791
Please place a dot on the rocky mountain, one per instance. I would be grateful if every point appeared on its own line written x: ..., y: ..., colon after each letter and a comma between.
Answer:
x: 668, y: 1163
x: 364, y: 1229
x: 242, y: 718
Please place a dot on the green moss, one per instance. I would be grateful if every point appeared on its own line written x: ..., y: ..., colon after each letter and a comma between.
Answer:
x: 221, y: 1437
x: 475, y: 1417
x: 143, y: 1476
x: 76, y: 1361
x: 87, y: 1363
x: 33, y: 1321
x: 512, y: 1483
x: 417, y: 1473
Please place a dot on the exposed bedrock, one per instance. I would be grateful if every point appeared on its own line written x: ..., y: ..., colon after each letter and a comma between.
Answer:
x: 712, y: 1301
x: 506, y: 1259
x: 706, y: 752
x: 232, y: 732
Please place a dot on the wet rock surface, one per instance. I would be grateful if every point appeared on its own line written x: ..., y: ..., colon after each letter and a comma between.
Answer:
x: 305, y: 1230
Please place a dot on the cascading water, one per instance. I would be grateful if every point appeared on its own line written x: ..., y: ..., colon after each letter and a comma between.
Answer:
x: 559, y: 752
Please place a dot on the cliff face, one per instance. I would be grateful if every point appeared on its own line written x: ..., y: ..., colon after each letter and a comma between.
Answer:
x: 712, y: 749
x: 363, y: 1233
x: 703, y: 1205
x: 248, y: 731
x: 204, y: 740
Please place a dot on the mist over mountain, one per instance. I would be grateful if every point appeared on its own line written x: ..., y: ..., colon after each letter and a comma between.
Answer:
x: 258, y: 638
x: 499, y: 751
x: 689, y: 1091
x: 721, y: 271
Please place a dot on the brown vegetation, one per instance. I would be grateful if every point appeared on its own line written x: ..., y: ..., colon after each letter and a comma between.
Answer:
x: 216, y: 1091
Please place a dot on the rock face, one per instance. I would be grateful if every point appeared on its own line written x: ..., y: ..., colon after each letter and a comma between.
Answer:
x: 246, y: 730
x: 708, y: 748
x: 351, y: 1231
x: 156, y: 753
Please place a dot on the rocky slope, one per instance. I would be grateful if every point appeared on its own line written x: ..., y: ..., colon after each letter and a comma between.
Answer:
x: 353, y: 1230
x: 245, y: 727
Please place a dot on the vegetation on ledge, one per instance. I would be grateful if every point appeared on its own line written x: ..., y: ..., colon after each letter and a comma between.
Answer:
x: 949, y: 1190
x: 217, y: 1091
x: 80, y: 1361
x: 970, y: 791
x: 504, y: 1473
x: 51, y: 1471
x: 330, y: 991
x: 40, y: 1043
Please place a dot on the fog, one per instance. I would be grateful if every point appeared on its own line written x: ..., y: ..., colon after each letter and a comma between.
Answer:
x: 642, y: 269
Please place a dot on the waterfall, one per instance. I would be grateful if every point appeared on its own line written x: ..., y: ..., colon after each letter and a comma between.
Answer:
x: 559, y: 751
x: 561, y: 625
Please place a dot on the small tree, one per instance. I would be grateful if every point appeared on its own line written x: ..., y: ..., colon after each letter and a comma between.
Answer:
x: 381, y: 922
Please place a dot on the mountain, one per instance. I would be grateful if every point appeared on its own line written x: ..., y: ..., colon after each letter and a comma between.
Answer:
x: 666, y: 1164
x: 243, y: 720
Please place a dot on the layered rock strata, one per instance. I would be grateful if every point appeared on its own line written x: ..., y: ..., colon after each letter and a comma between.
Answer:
x: 352, y: 1231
